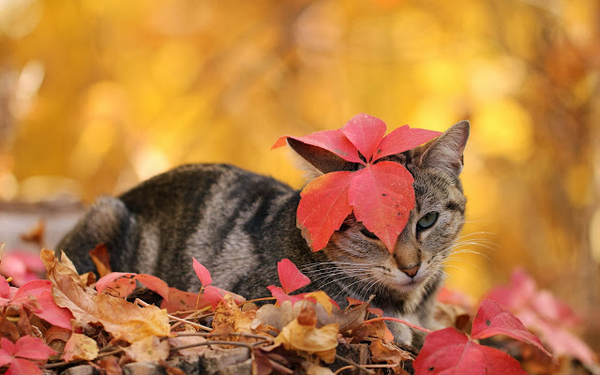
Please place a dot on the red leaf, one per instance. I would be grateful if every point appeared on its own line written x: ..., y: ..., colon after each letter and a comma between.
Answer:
x: 365, y: 132
x: 382, y: 197
x: 182, y: 301
x: 32, y: 348
x: 202, y: 273
x: 119, y: 282
x: 449, y: 351
x: 281, y: 296
x: 403, y: 139
x: 330, y: 140
x: 31, y: 288
x: 214, y: 295
x: 4, y: 288
x: 154, y: 284
x: 22, y: 366
x: 518, y: 293
x: 324, y: 207
x: 493, y: 319
x: 7, y: 350
x: 290, y: 277
x: 52, y: 313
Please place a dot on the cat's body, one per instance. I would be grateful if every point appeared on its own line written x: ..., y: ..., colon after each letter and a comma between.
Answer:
x: 239, y: 225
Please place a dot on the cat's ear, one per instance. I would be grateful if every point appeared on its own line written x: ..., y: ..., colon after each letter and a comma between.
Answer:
x: 446, y: 151
x: 317, y: 161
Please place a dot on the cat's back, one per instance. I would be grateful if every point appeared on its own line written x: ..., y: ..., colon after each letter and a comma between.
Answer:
x: 220, y: 214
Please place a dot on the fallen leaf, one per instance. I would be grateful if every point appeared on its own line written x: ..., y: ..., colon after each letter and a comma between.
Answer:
x: 290, y: 277
x: 122, y: 319
x: 386, y: 351
x: 101, y: 259
x: 308, y: 338
x: 150, y: 348
x: 80, y: 347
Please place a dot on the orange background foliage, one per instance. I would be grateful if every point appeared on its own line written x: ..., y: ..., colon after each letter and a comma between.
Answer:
x: 96, y: 96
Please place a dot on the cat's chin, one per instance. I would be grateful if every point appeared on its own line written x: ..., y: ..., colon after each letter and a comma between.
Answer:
x: 406, y: 286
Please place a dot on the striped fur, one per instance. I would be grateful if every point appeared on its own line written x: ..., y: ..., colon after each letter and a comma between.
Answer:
x: 240, y: 224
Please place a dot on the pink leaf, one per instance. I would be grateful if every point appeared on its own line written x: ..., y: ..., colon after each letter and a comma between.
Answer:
x: 182, y: 301
x: 493, y: 319
x: 121, y: 283
x: 32, y: 348
x: 324, y: 207
x: 281, y: 296
x: 330, y: 140
x: 449, y: 351
x: 22, y: 366
x: 382, y: 197
x: 154, y: 284
x: 4, y: 288
x: 7, y: 350
x: 290, y: 277
x: 365, y: 132
x: 550, y: 308
x: 31, y: 288
x: 403, y: 139
x: 214, y: 295
x: 52, y: 313
x: 202, y: 273
x: 517, y: 294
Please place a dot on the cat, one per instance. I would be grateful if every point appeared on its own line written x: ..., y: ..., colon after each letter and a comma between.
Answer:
x: 240, y: 224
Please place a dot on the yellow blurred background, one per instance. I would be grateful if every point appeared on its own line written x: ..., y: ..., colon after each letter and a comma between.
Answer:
x: 96, y: 96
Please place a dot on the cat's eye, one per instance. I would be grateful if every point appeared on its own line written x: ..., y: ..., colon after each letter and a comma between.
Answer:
x: 369, y: 234
x: 427, y: 221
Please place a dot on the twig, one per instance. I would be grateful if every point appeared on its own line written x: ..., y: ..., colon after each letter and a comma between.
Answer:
x: 237, y: 334
x: 354, y: 364
x: 418, y: 328
x: 142, y: 303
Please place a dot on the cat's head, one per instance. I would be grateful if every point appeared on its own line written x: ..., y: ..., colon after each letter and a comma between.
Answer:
x: 433, y: 225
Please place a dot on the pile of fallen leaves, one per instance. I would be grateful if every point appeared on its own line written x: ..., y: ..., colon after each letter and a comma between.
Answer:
x: 70, y: 319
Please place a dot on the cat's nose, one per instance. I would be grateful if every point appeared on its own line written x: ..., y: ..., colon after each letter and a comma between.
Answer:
x: 412, y: 271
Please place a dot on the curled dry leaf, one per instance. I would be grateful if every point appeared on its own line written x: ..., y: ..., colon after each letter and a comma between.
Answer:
x: 308, y: 338
x: 80, y: 347
x: 122, y: 319
x: 150, y: 348
x: 386, y: 351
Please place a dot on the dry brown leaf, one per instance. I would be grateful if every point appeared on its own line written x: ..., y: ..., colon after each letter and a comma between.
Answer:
x: 308, y: 338
x: 36, y: 234
x: 101, y: 259
x: 110, y: 365
x: 386, y: 351
x: 150, y: 348
x: 452, y: 316
x: 124, y: 320
x: 230, y: 318
x: 80, y: 347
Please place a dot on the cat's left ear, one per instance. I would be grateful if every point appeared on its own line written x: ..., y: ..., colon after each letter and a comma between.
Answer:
x: 446, y: 151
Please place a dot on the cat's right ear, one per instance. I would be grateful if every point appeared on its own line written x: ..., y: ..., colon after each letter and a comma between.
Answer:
x: 446, y: 151
x: 317, y: 161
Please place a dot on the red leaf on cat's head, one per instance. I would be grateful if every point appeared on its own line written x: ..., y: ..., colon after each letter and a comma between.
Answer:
x: 380, y: 197
x: 290, y: 277
x: 202, y: 272
x: 324, y: 207
x: 365, y: 133
x: 449, y: 351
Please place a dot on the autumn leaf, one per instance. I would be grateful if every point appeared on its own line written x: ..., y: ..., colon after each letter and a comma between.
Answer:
x: 380, y: 193
x: 493, y: 319
x: 543, y: 313
x: 291, y: 279
x: 449, y: 351
x: 150, y: 348
x: 302, y: 334
x: 125, y: 283
x: 122, y: 319
x: 202, y: 273
x: 35, y: 295
x: 210, y: 293
x: 19, y: 356
x: 80, y: 347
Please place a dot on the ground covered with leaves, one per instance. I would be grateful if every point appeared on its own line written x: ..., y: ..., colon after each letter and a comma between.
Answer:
x: 71, y: 319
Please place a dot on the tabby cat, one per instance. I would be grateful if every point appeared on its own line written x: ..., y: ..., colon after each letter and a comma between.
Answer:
x: 239, y: 225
